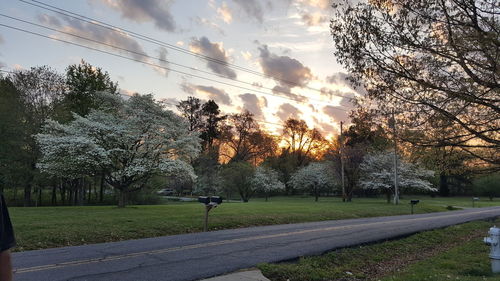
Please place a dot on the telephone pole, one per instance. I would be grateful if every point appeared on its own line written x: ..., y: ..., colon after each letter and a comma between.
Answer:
x: 342, y: 160
x: 392, y: 123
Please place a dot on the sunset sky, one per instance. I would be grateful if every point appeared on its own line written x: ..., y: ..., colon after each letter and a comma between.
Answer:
x: 267, y: 44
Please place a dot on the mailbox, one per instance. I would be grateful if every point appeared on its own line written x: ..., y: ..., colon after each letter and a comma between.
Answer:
x: 204, y: 199
x: 216, y: 199
x: 414, y: 201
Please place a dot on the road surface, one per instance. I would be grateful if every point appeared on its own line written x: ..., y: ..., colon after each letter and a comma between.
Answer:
x: 201, y: 255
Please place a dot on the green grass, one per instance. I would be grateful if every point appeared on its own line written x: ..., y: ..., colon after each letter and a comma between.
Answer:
x: 453, y: 253
x: 47, y: 227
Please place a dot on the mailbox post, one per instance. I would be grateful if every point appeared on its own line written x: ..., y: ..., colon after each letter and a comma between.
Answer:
x: 474, y: 199
x: 413, y: 202
x: 210, y: 203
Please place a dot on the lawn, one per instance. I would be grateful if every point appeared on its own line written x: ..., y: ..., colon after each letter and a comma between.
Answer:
x: 47, y: 227
x: 453, y: 253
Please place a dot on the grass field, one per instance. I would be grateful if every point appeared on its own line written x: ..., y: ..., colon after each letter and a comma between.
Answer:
x: 453, y: 253
x: 47, y: 227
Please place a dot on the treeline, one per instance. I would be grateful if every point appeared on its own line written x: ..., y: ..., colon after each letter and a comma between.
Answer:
x: 72, y: 139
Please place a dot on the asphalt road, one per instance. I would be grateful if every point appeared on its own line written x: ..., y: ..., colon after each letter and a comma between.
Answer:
x: 201, y: 255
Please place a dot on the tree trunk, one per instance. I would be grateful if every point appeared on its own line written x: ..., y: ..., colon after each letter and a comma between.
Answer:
x: 388, y: 194
x: 53, y: 199
x: 267, y: 195
x: 122, y: 199
x: 101, y: 191
x: 39, y: 196
x: 444, y: 190
x: 27, y: 194
x: 316, y: 195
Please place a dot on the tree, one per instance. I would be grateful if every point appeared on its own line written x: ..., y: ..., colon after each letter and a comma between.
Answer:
x: 12, y: 129
x: 266, y: 180
x: 243, y: 140
x: 302, y: 142
x: 132, y: 144
x: 39, y: 88
x: 191, y: 110
x: 237, y: 176
x: 435, y: 62
x: 315, y: 177
x: 84, y: 82
x: 211, y: 129
x: 361, y: 137
x: 378, y: 174
x: 207, y: 170
x: 488, y: 185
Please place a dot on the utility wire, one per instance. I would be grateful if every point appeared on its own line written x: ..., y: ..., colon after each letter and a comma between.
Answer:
x: 115, y: 28
x: 160, y: 66
x: 148, y: 56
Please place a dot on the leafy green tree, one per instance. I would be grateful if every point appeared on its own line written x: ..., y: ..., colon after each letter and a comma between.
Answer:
x: 12, y: 129
x: 84, y: 82
x: 435, y: 62
x: 488, y: 185
x: 237, y: 177
x: 39, y: 88
x: 131, y: 145
x: 191, y: 110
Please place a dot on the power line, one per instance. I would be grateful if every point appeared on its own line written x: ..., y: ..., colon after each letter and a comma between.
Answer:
x: 158, y: 66
x: 139, y: 36
x: 148, y: 56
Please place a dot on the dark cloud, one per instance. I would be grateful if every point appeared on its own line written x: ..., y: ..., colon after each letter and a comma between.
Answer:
x: 287, y: 110
x: 336, y: 112
x: 216, y: 51
x: 156, y: 11
x: 253, y: 103
x: 96, y: 33
x: 286, y: 71
x: 216, y: 94
x: 252, y: 8
x: 286, y: 91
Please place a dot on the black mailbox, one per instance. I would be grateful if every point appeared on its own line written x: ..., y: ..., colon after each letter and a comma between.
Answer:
x: 414, y: 201
x: 204, y: 199
x: 216, y: 199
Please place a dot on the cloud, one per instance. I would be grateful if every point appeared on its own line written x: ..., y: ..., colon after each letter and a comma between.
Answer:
x: 156, y: 11
x: 162, y: 60
x: 216, y: 94
x: 252, y: 8
x: 287, y: 110
x: 336, y: 112
x: 208, y: 23
x: 314, y: 19
x: 322, y: 4
x: 286, y: 91
x: 344, y: 79
x: 1, y: 39
x: 284, y: 69
x: 253, y: 103
x: 215, y: 51
x: 225, y: 13
x: 96, y: 33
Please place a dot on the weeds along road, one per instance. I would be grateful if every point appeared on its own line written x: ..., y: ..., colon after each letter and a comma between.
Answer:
x: 201, y: 255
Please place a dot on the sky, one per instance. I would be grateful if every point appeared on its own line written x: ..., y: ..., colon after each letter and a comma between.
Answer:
x: 271, y: 57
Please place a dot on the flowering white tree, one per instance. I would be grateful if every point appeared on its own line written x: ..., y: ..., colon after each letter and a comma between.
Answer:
x: 130, y: 142
x: 266, y: 180
x: 378, y: 173
x: 314, y: 177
